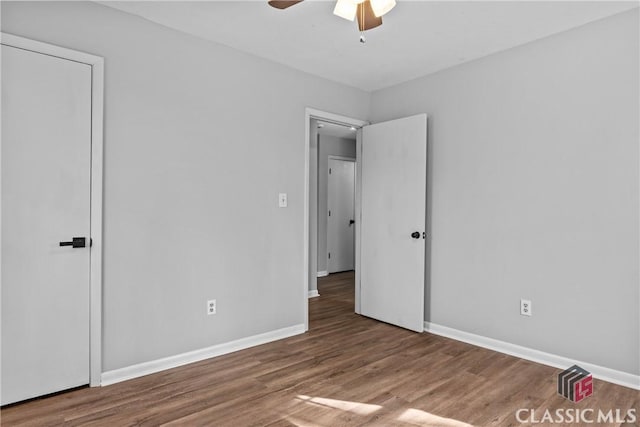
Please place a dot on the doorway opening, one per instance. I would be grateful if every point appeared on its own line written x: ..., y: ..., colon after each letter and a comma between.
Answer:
x: 328, y: 134
x: 390, y: 218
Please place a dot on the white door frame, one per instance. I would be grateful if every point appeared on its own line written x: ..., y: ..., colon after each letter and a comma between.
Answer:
x: 346, y: 159
x: 311, y: 113
x: 355, y: 184
x: 97, y: 96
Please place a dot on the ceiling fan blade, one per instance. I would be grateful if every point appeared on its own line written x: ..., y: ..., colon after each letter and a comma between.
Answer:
x: 283, y: 4
x: 366, y: 18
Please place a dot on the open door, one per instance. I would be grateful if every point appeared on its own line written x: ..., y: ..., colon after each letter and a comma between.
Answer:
x: 392, y: 230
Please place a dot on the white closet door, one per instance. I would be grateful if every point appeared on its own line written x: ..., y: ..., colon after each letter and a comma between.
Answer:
x: 46, y: 153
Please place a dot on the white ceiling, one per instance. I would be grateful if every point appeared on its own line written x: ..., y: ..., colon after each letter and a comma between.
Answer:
x: 417, y: 37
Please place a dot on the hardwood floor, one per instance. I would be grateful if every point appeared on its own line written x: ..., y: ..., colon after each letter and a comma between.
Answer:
x: 347, y: 370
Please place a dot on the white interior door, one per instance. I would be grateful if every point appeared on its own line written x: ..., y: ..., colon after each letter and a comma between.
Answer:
x: 46, y: 154
x: 393, y: 208
x: 341, y: 220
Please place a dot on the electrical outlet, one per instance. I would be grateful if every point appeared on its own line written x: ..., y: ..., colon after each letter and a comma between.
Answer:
x: 211, y: 307
x: 525, y: 307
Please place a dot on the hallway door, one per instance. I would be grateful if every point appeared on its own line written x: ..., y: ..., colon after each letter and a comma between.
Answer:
x: 341, y: 215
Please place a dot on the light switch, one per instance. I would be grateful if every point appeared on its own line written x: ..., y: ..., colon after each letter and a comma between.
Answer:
x: 282, y: 200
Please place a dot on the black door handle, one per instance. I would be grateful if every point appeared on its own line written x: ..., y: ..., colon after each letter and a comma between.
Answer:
x: 415, y: 235
x: 351, y: 222
x: 77, y: 242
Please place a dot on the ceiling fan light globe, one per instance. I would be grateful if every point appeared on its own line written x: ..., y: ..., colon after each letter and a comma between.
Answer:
x: 380, y: 7
x: 346, y: 9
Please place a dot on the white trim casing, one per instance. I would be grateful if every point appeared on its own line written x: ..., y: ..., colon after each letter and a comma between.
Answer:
x: 323, y: 273
x: 344, y: 158
x: 305, y: 220
x: 146, y: 368
x: 313, y: 294
x: 606, y: 374
x: 97, y: 143
x: 358, y: 214
x: 97, y: 108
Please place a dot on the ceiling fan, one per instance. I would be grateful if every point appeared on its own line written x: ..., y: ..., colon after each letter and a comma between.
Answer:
x: 368, y: 12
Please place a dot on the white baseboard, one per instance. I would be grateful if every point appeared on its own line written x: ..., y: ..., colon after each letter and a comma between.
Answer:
x: 153, y: 366
x: 323, y: 273
x: 600, y: 372
x: 312, y: 294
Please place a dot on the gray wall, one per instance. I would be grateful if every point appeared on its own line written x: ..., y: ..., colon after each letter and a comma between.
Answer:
x: 534, y: 192
x: 533, y: 186
x: 199, y: 141
x: 329, y: 146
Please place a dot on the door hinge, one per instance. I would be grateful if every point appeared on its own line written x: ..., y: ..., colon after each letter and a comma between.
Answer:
x: 329, y: 171
x: 329, y: 213
x: 329, y: 255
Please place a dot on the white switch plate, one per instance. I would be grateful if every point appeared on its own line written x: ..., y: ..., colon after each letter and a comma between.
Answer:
x: 282, y: 200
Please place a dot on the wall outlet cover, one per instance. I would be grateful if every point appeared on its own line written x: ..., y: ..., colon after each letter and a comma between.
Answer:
x: 211, y: 307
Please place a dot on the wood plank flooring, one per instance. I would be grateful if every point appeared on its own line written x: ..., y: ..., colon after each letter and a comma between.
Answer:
x: 347, y: 370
